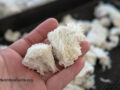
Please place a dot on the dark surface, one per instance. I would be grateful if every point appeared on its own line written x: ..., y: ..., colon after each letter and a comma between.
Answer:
x: 26, y: 21
x: 40, y: 13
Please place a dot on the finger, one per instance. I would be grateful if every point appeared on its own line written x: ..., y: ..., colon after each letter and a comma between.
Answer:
x: 48, y: 75
x: 65, y: 76
x: 37, y: 35
x: 85, y: 47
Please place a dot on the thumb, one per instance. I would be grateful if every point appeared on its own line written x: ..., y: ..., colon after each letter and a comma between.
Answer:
x: 61, y: 79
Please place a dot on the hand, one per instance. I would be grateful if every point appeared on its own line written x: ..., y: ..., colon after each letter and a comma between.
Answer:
x: 11, y: 63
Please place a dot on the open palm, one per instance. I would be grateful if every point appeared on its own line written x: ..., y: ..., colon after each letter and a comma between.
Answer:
x: 11, y: 64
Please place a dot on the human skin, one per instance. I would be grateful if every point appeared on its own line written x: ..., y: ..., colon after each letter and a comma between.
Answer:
x: 11, y: 63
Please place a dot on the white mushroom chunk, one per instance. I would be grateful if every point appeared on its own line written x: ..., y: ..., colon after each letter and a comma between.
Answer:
x: 82, y: 23
x: 114, y: 38
x: 39, y: 57
x: 115, y: 31
x: 90, y: 57
x: 66, y: 43
x: 85, y: 73
x: 97, y: 35
x: 103, y: 57
x: 105, y: 80
x: 101, y: 10
x: 90, y: 82
x: 73, y: 87
x: 12, y: 35
x: 105, y: 21
x: 3, y: 47
x: 109, y: 10
x: 68, y: 19
x: 86, y: 25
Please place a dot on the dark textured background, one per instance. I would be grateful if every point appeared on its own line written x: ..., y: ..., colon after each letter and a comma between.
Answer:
x: 79, y: 9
